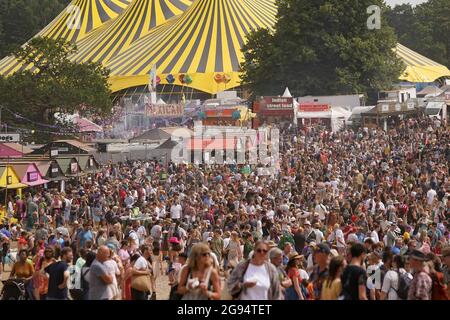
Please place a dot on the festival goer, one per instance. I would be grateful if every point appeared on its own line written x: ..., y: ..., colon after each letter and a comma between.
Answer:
x: 354, y: 277
x: 294, y: 292
x: 198, y: 279
x: 421, y: 285
x: 321, y: 256
x: 256, y: 278
x: 141, y: 283
x: 58, y: 276
x: 332, y: 286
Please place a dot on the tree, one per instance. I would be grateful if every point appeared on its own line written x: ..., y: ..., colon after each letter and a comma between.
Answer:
x: 22, y: 19
x: 424, y: 28
x: 54, y: 84
x: 321, y: 47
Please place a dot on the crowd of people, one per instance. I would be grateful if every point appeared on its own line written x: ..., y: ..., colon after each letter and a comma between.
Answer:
x: 352, y: 215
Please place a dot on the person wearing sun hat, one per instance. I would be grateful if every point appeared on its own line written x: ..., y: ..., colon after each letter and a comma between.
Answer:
x: 421, y: 285
x: 294, y: 292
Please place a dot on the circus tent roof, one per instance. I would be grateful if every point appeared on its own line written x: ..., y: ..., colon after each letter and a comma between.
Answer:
x: 198, y: 40
x: 420, y: 68
x: 205, y: 43
x: 73, y: 24
x: 135, y: 22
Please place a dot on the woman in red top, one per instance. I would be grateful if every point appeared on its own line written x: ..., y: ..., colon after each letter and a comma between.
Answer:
x: 22, y: 242
x: 294, y: 292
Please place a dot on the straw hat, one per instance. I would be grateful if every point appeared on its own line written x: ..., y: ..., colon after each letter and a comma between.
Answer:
x: 294, y: 256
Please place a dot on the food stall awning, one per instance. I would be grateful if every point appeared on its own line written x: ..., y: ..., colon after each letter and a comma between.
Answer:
x: 13, y: 186
x: 314, y: 115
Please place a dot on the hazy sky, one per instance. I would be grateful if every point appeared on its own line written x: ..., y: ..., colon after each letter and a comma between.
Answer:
x: 413, y: 2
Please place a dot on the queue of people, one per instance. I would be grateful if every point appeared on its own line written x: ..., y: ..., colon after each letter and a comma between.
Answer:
x: 350, y: 215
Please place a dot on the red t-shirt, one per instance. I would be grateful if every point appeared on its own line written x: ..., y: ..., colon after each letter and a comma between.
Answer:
x: 294, y: 273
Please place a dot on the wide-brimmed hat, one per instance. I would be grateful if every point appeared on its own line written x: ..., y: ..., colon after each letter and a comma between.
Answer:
x: 294, y: 256
x: 271, y: 244
x: 418, y: 255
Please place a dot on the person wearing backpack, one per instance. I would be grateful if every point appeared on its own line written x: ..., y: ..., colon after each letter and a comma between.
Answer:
x: 397, y: 281
x: 84, y: 275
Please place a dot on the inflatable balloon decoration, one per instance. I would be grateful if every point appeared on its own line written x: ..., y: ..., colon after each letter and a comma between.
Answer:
x: 170, y: 79
x: 187, y: 79
x: 222, y: 78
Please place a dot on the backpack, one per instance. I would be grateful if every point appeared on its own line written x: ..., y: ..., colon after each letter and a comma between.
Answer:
x: 404, y: 282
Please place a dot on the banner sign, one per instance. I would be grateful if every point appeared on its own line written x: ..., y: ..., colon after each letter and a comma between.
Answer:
x: 9, y: 137
x: 276, y: 103
x: 33, y: 176
x: 313, y: 107
x: 164, y: 110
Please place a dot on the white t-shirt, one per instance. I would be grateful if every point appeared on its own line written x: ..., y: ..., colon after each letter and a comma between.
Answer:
x: 113, y: 270
x: 226, y: 241
x: 141, y: 263
x: 374, y: 236
x: 340, y: 240
x: 134, y: 237
x: 430, y: 196
x: 319, y: 235
x: 175, y: 211
x: 303, y: 274
x: 261, y: 289
x: 390, y: 285
x: 160, y: 212
x: 321, y: 210
x: 352, y: 237
x: 142, y: 233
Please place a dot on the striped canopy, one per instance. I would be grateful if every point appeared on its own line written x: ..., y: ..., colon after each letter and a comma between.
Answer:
x: 192, y: 43
x: 74, y: 23
x: 420, y: 68
x: 135, y: 22
x: 204, y: 44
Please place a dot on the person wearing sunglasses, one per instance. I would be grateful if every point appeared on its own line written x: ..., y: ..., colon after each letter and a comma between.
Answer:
x: 198, y: 278
x: 256, y: 278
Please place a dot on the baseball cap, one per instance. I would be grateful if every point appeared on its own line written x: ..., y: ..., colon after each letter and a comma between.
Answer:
x: 322, y: 248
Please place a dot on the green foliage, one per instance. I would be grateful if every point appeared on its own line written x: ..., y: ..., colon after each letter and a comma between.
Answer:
x: 54, y: 84
x: 425, y: 28
x: 321, y: 47
x: 22, y: 19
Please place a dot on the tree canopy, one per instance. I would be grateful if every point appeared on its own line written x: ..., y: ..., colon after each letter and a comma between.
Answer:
x: 424, y: 28
x: 22, y: 19
x: 54, y: 84
x: 321, y: 47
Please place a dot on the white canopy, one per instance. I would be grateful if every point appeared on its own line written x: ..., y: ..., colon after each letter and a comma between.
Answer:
x: 338, y: 116
x: 287, y: 93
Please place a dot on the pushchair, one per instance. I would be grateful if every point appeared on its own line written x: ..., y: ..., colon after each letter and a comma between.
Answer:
x: 14, y: 289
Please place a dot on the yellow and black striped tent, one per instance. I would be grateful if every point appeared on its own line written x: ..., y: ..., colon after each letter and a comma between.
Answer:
x: 200, y: 49
x: 420, y: 68
x: 134, y: 23
x: 79, y: 19
x: 192, y: 43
